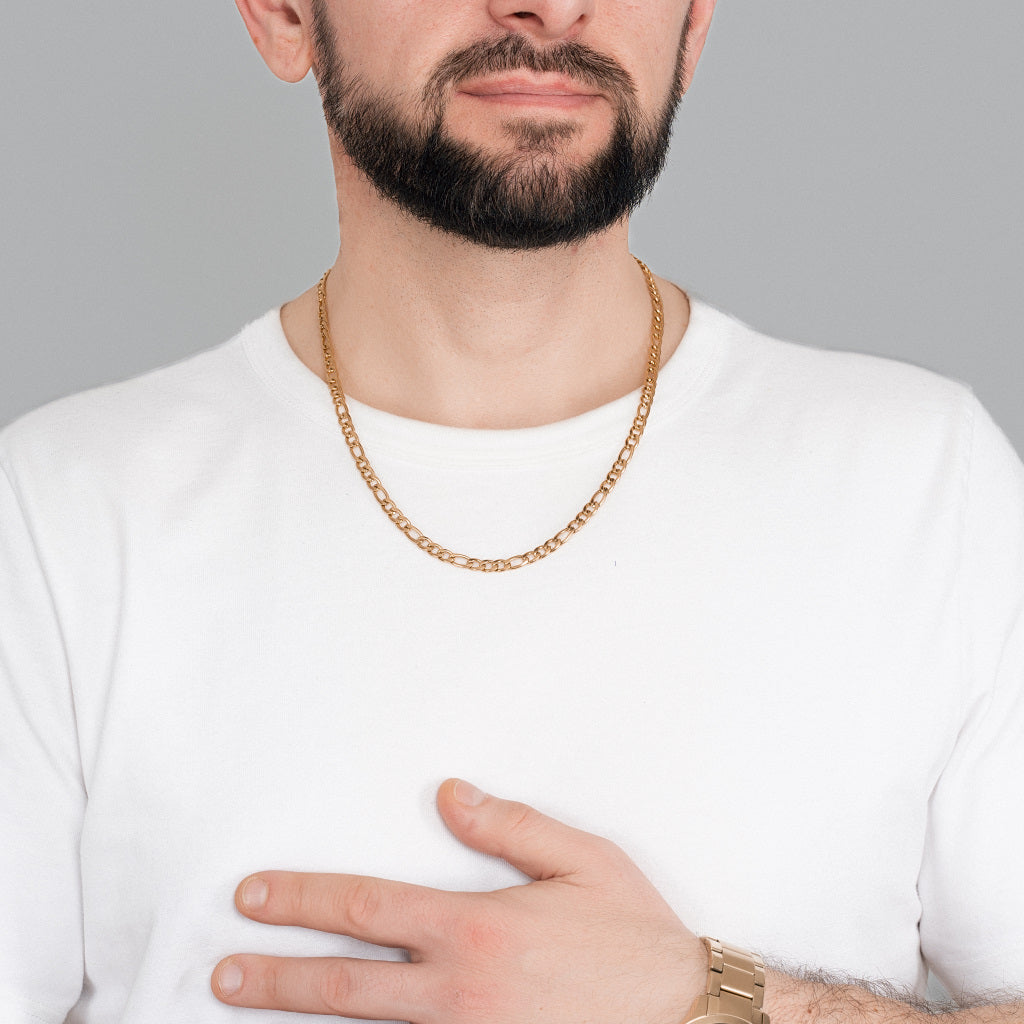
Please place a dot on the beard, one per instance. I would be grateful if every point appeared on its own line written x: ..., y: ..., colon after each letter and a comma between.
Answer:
x: 526, y: 199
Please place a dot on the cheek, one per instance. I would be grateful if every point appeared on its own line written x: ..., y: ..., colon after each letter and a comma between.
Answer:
x: 396, y: 44
x: 653, y: 34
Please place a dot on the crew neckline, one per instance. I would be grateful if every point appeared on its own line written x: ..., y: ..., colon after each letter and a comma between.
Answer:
x: 291, y: 381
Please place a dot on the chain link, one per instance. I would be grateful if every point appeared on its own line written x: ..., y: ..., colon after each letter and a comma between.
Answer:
x: 552, y: 544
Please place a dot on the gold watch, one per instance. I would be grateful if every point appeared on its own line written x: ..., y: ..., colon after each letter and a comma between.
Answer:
x: 735, y: 988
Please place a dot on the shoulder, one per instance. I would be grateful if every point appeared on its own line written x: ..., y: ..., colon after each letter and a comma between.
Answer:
x: 798, y: 368
x: 795, y: 391
x: 145, y: 420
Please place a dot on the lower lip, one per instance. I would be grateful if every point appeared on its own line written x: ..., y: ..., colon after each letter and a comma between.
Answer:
x: 559, y: 101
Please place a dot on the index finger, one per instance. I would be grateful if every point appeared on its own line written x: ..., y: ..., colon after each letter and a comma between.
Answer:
x: 376, y: 910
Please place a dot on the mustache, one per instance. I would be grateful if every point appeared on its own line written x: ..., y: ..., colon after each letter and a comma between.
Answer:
x: 516, y: 53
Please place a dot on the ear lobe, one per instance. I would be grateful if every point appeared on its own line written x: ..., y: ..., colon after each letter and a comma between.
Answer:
x: 698, y: 21
x: 280, y: 30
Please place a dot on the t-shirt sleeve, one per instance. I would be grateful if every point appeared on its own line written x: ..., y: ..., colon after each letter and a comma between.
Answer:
x: 971, y: 884
x: 41, y: 791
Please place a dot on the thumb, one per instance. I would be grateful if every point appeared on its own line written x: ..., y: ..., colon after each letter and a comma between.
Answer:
x: 537, y: 845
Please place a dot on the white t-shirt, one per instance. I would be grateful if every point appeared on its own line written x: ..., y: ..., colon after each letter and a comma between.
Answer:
x: 783, y: 666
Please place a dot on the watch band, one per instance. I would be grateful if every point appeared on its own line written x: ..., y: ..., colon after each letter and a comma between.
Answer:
x: 735, y: 987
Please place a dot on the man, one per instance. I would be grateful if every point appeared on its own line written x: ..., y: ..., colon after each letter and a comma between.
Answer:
x: 777, y: 658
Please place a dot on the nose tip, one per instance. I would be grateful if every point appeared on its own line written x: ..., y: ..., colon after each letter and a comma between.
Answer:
x: 543, y: 19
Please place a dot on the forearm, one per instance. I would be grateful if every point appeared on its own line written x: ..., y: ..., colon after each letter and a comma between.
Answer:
x: 817, y: 1000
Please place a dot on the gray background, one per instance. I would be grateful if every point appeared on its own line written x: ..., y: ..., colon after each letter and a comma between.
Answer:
x: 843, y: 174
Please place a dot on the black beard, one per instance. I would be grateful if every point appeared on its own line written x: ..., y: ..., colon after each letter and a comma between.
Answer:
x: 525, y: 200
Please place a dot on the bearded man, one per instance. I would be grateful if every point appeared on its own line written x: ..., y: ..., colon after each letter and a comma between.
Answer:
x: 745, y: 618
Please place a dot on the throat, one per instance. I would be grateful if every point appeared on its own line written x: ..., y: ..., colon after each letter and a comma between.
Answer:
x: 497, y: 369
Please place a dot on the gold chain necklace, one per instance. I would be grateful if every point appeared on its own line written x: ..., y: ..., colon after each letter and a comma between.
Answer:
x: 417, y: 536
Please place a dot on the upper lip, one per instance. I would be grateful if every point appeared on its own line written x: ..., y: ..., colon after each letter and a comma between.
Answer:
x: 527, y: 84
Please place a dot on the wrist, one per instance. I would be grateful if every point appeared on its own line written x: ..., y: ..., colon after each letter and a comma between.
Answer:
x: 735, y: 987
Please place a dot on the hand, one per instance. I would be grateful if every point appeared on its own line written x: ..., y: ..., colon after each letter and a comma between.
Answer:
x: 590, y: 939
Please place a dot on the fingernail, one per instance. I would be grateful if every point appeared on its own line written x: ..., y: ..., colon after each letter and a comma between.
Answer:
x: 254, y: 894
x: 468, y: 794
x: 229, y: 981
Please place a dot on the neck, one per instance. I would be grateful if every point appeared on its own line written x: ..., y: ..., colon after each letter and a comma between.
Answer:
x: 438, y: 329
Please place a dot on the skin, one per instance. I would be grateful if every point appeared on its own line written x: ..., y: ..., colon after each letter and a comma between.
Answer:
x: 443, y: 330
x: 588, y: 940
x: 440, y: 329
x: 500, y: 957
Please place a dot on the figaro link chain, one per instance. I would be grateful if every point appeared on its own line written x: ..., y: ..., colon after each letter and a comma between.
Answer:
x: 438, y: 551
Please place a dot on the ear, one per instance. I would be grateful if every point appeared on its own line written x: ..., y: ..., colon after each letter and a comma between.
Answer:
x: 698, y: 21
x: 281, y: 30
